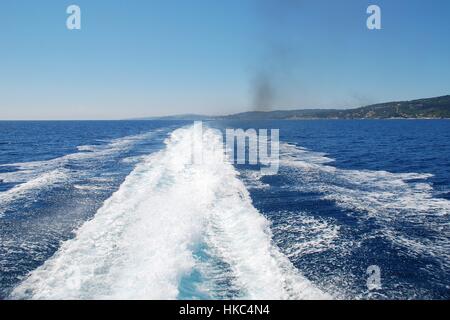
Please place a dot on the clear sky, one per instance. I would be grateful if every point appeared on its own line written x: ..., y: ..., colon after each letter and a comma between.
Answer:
x: 156, y: 57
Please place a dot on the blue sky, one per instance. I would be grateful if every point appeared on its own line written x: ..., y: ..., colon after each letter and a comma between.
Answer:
x: 143, y: 58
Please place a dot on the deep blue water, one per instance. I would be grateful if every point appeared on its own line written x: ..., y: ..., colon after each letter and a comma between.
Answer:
x: 348, y: 195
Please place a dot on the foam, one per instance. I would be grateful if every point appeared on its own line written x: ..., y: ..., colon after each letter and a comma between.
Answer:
x: 305, y: 234
x: 87, y: 148
x: 141, y: 244
x: 33, y: 177
x: 88, y: 187
x: 43, y: 181
x: 393, y: 200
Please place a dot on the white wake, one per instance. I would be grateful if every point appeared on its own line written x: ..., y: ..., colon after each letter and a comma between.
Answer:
x: 141, y: 243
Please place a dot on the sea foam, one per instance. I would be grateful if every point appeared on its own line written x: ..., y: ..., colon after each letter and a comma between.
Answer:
x: 393, y: 201
x: 30, y: 178
x: 141, y: 244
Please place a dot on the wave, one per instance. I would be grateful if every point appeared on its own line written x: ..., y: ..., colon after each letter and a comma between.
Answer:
x: 144, y: 242
x: 44, y: 180
x: 32, y: 177
x: 304, y: 234
x: 395, y: 202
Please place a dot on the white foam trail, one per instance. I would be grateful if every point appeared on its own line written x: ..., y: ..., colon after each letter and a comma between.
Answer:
x: 374, y: 192
x: 38, y: 175
x: 393, y: 200
x: 304, y: 234
x: 87, y: 148
x: 42, y: 181
x: 140, y: 244
x: 88, y: 187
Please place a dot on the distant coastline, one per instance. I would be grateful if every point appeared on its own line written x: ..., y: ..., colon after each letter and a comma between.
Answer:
x: 425, y: 109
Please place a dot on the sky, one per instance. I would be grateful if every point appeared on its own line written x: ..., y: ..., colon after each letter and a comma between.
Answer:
x: 161, y: 57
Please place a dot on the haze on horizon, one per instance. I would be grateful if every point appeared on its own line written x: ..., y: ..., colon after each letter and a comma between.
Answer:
x: 142, y: 58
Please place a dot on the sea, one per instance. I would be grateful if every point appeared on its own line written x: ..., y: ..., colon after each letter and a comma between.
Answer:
x: 358, y: 209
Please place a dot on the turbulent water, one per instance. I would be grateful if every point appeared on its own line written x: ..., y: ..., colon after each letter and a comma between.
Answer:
x: 100, y: 210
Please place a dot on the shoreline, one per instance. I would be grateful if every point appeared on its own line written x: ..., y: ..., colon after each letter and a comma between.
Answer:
x: 221, y: 119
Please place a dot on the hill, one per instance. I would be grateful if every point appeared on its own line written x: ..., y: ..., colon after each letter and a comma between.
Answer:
x: 430, y: 108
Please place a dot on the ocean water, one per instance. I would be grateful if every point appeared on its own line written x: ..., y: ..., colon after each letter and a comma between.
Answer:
x: 116, y: 209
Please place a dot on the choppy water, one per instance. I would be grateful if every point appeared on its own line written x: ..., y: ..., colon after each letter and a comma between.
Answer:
x: 115, y: 210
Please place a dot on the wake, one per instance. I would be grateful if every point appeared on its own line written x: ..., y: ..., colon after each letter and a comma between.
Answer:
x: 144, y: 242
x: 31, y: 178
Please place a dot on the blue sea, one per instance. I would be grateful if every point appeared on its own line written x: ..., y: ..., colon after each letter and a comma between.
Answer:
x: 116, y: 210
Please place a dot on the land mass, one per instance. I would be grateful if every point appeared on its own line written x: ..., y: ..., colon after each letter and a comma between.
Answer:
x: 429, y: 108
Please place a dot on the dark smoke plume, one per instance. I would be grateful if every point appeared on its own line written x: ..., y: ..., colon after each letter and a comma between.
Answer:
x: 263, y: 91
x: 273, y: 71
